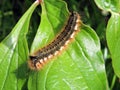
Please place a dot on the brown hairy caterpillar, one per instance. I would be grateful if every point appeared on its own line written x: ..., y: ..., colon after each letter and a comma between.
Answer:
x: 42, y: 56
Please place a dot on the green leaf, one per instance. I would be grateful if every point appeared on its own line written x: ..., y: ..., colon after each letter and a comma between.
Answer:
x: 80, y: 66
x: 14, y: 53
x: 113, y: 40
x: 113, y: 30
x: 109, y: 5
x: 49, y: 23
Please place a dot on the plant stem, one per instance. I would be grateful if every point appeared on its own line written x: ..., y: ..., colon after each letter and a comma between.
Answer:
x: 113, y: 82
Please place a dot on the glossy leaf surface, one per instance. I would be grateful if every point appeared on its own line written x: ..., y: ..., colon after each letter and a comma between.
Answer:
x: 79, y: 67
x: 14, y: 53
x: 109, y: 5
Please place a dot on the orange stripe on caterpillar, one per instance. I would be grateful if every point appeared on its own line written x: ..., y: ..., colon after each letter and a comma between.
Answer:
x: 45, y: 54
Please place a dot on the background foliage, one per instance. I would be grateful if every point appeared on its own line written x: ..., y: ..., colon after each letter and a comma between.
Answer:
x: 103, y: 16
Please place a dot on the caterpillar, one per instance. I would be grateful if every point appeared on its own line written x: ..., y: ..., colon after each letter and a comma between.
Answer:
x: 43, y: 55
